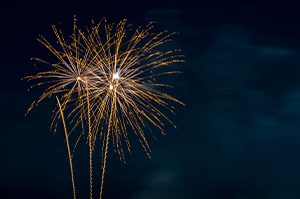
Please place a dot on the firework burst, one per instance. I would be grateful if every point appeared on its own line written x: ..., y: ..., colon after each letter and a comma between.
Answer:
x: 105, y: 80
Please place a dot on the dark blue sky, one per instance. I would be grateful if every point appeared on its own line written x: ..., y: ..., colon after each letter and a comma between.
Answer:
x: 237, y: 138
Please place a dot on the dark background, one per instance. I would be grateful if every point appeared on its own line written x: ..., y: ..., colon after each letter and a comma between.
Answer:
x: 238, y: 136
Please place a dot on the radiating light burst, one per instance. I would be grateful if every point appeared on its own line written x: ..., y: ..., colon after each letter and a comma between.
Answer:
x: 105, y: 80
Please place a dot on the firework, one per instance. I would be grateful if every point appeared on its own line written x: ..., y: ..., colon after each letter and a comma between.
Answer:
x: 105, y: 80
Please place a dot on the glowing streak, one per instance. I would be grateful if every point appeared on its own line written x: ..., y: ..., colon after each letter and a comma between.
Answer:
x: 68, y: 148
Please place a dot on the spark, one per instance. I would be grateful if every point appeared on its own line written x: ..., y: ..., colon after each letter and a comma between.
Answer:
x: 116, y: 76
x: 109, y: 86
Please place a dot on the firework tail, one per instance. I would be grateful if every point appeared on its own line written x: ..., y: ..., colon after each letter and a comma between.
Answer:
x: 68, y: 147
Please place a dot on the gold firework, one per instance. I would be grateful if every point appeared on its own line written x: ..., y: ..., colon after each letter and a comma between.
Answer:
x: 105, y: 79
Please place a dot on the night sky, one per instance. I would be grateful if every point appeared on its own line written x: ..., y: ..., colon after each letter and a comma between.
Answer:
x: 238, y: 136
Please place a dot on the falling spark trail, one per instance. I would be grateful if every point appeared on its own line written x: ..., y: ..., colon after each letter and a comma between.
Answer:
x: 107, y: 144
x: 68, y: 148
x: 90, y: 137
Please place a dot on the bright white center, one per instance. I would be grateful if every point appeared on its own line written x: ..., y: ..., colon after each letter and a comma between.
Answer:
x: 116, y: 76
x: 111, y: 87
x: 78, y: 78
